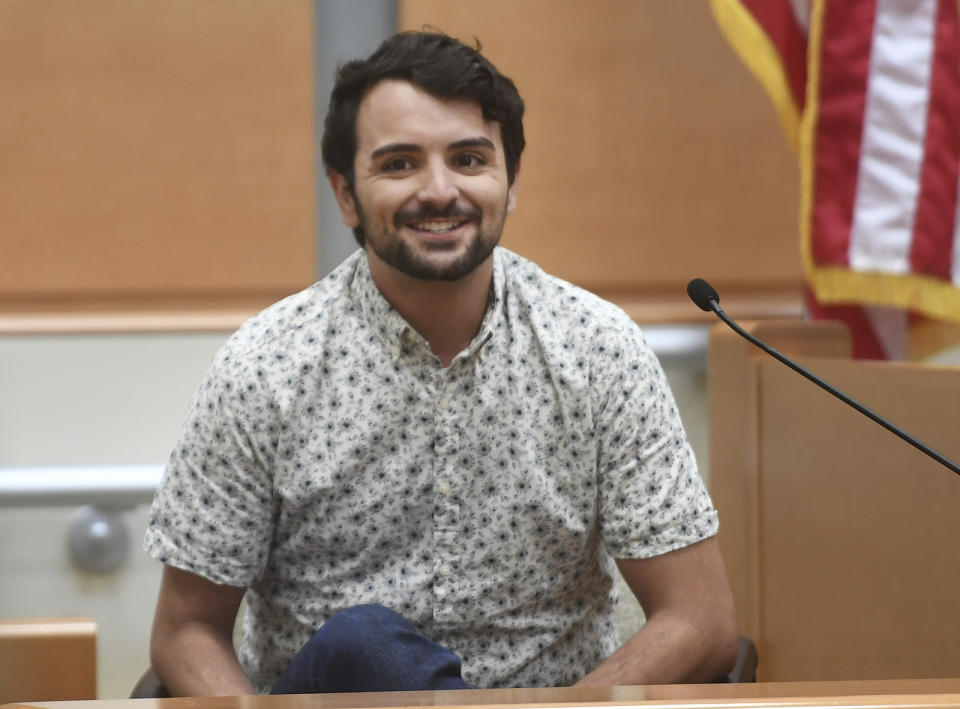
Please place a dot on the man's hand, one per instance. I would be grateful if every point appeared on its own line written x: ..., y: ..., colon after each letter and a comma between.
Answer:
x: 691, y: 630
x: 191, y: 647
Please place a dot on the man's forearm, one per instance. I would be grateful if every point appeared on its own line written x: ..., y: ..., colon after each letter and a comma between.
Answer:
x: 195, y: 661
x: 667, y: 650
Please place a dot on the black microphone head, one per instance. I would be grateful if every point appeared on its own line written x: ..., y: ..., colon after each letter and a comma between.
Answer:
x: 702, y: 293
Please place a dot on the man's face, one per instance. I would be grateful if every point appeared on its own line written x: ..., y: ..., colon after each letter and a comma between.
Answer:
x: 430, y: 188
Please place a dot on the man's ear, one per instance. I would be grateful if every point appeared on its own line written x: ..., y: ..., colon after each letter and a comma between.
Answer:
x: 512, y: 191
x: 345, y: 200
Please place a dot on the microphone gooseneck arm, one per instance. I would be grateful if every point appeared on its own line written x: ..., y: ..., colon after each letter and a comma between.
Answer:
x: 707, y: 299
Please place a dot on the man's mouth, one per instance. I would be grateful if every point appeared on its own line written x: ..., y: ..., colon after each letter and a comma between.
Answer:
x: 437, y: 226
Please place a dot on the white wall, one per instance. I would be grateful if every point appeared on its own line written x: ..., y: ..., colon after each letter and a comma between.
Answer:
x: 90, y: 400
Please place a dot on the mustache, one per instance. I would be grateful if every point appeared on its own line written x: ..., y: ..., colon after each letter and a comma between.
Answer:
x: 426, y: 211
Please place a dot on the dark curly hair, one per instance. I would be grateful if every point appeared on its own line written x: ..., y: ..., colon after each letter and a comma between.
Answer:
x: 440, y: 65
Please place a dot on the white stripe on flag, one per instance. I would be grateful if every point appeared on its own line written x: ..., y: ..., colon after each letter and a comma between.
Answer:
x: 891, y: 152
x: 801, y: 11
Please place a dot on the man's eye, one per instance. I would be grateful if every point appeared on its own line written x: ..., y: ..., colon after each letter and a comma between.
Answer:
x: 470, y: 160
x: 397, y: 165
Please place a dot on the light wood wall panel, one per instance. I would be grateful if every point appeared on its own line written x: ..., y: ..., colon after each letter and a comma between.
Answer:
x: 157, y: 154
x: 653, y: 156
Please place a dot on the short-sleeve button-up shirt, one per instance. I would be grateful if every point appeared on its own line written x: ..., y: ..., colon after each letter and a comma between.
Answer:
x: 329, y: 459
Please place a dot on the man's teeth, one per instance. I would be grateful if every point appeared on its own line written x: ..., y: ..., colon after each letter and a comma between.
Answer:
x: 435, y: 227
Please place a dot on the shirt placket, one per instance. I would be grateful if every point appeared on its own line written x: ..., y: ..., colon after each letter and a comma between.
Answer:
x: 446, y: 508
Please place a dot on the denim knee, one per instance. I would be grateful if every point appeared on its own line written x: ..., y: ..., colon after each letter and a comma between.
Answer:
x: 370, y: 648
x: 367, y: 621
x: 357, y: 629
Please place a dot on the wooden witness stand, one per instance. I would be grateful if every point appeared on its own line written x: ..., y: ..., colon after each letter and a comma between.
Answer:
x: 890, y: 693
x: 840, y: 539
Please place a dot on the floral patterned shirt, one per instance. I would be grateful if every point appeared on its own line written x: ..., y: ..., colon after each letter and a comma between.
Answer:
x: 329, y: 459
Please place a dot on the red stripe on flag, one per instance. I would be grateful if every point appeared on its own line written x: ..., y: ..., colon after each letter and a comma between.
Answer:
x: 846, y: 43
x: 932, y: 245
x: 790, y: 39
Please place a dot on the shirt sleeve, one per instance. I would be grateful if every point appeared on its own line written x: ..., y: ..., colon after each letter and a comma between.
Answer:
x: 652, y: 499
x: 213, y: 512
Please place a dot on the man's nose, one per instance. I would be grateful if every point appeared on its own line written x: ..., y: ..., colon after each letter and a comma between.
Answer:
x: 438, y: 186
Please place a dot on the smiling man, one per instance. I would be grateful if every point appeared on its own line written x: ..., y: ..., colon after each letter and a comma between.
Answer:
x: 421, y: 470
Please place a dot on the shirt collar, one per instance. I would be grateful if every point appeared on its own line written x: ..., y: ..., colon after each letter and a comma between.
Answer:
x: 494, y: 304
x: 383, y: 319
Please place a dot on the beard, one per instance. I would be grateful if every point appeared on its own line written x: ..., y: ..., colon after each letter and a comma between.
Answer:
x: 426, y: 262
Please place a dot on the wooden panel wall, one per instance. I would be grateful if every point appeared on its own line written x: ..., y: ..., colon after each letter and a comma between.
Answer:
x: 157, y: 155
x: 653, y: 156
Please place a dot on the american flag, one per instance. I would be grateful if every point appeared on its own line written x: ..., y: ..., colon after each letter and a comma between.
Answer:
x: 868, y: 93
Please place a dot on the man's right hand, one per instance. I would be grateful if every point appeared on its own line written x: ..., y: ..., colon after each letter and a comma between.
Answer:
x: 191, y: 646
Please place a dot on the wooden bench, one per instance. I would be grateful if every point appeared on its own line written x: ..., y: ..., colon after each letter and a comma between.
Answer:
x: 47, y: 659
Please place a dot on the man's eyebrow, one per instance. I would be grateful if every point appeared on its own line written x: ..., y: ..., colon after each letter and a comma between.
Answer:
x: 395, y: 148
x: 479, y: 142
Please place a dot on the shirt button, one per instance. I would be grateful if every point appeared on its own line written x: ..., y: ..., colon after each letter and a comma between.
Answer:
x: 443, y: 487
x: 445, y: 571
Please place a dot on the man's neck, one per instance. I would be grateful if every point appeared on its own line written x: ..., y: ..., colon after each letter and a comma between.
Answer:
x: 447, y: 314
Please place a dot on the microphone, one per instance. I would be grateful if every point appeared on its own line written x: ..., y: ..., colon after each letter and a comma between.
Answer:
x: 706, y: 298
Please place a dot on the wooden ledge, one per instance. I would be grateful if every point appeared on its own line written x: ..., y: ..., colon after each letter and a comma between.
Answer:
x: 123, y: 322
x: 224, y: 313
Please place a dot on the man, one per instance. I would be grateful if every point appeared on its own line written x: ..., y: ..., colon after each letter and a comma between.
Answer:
x: 438, y: 434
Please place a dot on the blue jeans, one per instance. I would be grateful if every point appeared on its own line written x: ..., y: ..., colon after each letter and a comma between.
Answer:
x: 369, y: 649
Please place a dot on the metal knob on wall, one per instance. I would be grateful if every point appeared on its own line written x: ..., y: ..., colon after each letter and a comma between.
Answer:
x: 97, y: 535
x: 97, y: 539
